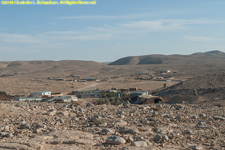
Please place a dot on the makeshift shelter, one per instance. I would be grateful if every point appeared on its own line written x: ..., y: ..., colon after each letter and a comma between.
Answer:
x: 149, y: 99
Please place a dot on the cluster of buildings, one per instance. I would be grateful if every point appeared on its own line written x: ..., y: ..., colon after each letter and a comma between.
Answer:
x: 132, y: 94
x: 73, y: 78
x: 87, y: 94
x: 48, y: 97
x: 164, y: 75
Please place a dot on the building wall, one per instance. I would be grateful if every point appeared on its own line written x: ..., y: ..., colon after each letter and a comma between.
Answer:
x: 27, y: 99
x: 41, y: 93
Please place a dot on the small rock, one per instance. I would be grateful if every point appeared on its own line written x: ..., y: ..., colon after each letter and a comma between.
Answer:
x: 38, y: 130
x: 23, y: 122
x: 24, y: 126
x: 6, y: 128
x: 194, y: 117
x: 122, y: 116
x: 129, y: 139
x: 40, y: 126
x: 202, y: 124
x: 61, y: 120
x: 187, y: 132
x: 130, y: 130
x: 166, y: 116
x: 104, y: 124
x: 157, y: 130
x: 89, y: 104
x: 219, y: 118
x: 6, y: 134
x: 196, y: 147
x: 51, y: 112
x: 115, y: 140
x: 3, y: 134
x: 178, y: 117
x: 64, y: 113
x: 97, y: 119
x: 144, y: 121
x: 107, y: 131
x: 202, y: 115
x: 155, y: 113
x: 142, y: 129
x: 120, y: 123
x: 121, y: 112
x: 178, y: 107
x: 160, y: 138
x: 139, y: 144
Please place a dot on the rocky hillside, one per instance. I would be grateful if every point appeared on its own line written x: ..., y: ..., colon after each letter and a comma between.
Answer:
x: 203, y: 88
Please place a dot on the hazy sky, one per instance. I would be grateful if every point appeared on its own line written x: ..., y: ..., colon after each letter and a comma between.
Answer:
x: 111, y: 29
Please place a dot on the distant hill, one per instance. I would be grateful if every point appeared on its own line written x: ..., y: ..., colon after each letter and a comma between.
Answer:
x: 214, y: 53
x: 48, y: 68
x: 51, y: 68
x: 171, y: 59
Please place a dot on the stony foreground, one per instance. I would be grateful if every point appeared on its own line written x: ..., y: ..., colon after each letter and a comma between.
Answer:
x: 86, y: 126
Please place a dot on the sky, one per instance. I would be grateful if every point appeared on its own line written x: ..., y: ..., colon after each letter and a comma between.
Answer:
x: 111, y: 29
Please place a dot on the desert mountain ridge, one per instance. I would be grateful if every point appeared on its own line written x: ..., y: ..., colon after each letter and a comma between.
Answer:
x: 129, y: 60
x: 170, y: 59
x: 184, y: 65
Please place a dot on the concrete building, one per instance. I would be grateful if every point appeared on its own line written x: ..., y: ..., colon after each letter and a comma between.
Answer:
x: 41, y: 93
x: 89, y: 79
x: 87, y: 94
x: 62, y: 99
x: 66, y: 99
x: 165, y: 71
x: 56, y: 94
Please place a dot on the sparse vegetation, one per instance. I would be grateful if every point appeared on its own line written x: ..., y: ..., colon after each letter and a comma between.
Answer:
x: 112, y: 101
x: 3, y: 93
x: 110, y: 98
x: 112, y: 94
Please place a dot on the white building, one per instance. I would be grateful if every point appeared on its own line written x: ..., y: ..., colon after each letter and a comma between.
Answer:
x: 66, y: 99
x: 165, y: 71
x: 41, y: 93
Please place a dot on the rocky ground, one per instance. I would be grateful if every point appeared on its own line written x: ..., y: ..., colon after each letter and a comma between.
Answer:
x: 46, y: 126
